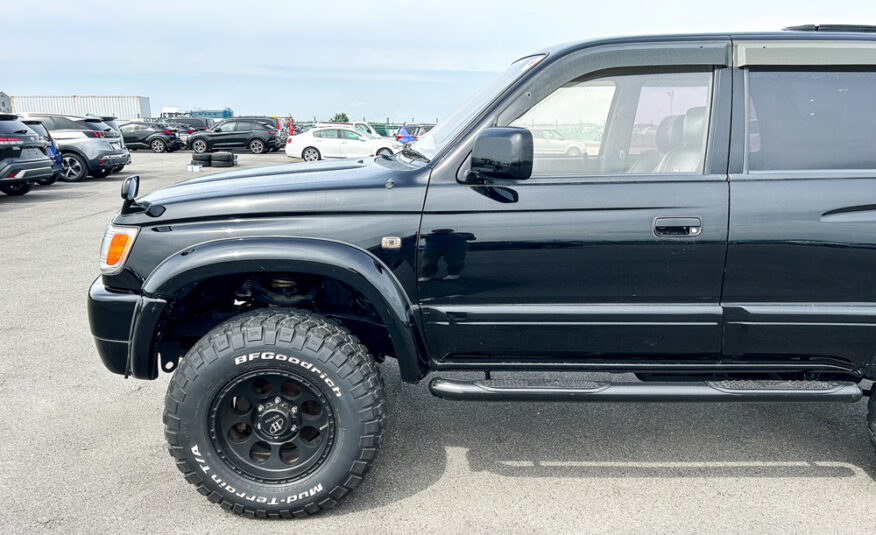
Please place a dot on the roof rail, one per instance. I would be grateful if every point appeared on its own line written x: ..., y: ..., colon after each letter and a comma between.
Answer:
x: 830, y: 28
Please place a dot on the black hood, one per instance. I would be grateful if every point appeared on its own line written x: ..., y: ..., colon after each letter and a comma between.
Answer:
x: 353, y: 185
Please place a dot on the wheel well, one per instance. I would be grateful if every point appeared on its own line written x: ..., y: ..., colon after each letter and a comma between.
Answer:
x: 199, y: 307
x: 309, y: 147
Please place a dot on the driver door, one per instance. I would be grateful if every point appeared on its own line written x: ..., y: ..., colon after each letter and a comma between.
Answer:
x: 223, y: 135
x: 614, y: 254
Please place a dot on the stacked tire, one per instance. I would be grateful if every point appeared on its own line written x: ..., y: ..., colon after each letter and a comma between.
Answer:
x: 223, y: 159
x: 203, y: 159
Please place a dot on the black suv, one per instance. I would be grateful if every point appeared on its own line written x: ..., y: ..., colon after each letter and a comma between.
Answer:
x: 157, y: 138
x: 23, y: 159
x: 251, y: 134
x: 714, y: 241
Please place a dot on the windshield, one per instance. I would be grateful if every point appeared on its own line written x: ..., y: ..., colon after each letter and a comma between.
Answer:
x: 430, y: 143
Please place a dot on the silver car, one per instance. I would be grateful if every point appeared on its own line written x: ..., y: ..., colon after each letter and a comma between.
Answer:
x: 89, y: 145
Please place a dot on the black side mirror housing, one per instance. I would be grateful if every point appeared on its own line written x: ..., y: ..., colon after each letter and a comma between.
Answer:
x: 503, y: 153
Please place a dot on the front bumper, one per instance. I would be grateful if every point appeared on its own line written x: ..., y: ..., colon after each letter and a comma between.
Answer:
x: 123, y: 326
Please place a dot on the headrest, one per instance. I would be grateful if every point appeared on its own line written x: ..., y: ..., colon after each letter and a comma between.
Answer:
x: 695, y: 126
x: 669, y: 133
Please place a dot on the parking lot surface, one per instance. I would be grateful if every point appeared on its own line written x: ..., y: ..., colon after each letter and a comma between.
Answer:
x: 83, y: 451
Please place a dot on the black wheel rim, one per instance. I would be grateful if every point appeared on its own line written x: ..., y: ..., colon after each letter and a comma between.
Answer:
x: 272, y: 426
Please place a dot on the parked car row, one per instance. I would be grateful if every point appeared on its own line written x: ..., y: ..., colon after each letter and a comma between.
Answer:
x: 40, y: 148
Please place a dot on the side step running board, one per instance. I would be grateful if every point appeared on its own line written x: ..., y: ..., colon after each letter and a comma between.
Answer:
x: 738, y: 390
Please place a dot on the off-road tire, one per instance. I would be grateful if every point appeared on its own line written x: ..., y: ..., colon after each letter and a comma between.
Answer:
x: 871, y: 418
x: 320, y: 351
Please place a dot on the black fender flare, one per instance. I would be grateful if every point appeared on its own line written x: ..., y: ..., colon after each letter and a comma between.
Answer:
x: 347, y: 263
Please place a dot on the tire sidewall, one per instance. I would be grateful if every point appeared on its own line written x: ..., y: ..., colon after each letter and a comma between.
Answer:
x: 257, y: 143
x: 194, y: 435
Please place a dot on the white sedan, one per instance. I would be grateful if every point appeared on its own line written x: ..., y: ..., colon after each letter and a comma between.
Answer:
x: 338, y: 142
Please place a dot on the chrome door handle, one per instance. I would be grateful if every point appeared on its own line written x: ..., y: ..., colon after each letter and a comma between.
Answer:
x: 678, y: 227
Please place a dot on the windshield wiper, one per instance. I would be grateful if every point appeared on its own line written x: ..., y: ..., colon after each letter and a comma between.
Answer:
x: 410, y: 152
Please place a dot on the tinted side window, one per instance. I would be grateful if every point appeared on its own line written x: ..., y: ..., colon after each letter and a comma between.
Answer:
x: 47, y: 122
x: 332, y: 133
x: 631, y: 123
x: 63, y: 123
x: 801, y: 120
x: 8, y: 127
x: 38, y: 128
x: 349, y: 134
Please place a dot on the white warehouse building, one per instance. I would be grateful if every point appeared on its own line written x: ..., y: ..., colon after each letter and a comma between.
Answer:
x: 122, y: 107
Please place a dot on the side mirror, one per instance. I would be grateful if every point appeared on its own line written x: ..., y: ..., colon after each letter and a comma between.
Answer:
x: 503, y: 153
x: 130, y: 187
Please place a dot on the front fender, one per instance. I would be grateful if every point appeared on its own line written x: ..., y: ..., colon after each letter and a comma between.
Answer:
x: 349, y: 264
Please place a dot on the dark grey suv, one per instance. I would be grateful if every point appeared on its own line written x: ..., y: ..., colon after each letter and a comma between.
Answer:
x: 89, y: 145
x: 22, y: 157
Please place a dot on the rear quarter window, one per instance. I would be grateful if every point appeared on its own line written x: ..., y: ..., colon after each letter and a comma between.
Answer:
x: 810, y: 119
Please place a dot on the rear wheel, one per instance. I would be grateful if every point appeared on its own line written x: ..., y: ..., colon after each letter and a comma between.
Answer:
x: 275, y: 413
x: 74, y: 168
x: 158, y: 145
x: 310, y: 154
x: 257, y: 146
x: 16, y: 189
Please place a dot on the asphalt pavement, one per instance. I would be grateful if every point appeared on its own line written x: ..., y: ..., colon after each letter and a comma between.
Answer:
x: 82, y: 450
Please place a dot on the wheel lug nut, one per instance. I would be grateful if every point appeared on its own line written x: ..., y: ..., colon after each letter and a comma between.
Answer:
x: 277, y: 399
x: 260, y: 408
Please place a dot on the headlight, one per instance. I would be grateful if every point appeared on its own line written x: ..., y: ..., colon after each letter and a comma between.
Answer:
x: 117, y: 243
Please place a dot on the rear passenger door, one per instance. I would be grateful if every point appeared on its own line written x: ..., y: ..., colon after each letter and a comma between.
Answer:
x: 609, y: 255
x: 242, y: 132
x: 801, y: 264
x: 328, y: 143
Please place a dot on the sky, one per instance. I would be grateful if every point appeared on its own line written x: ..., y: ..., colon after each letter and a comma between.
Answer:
x: 373, y: 59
